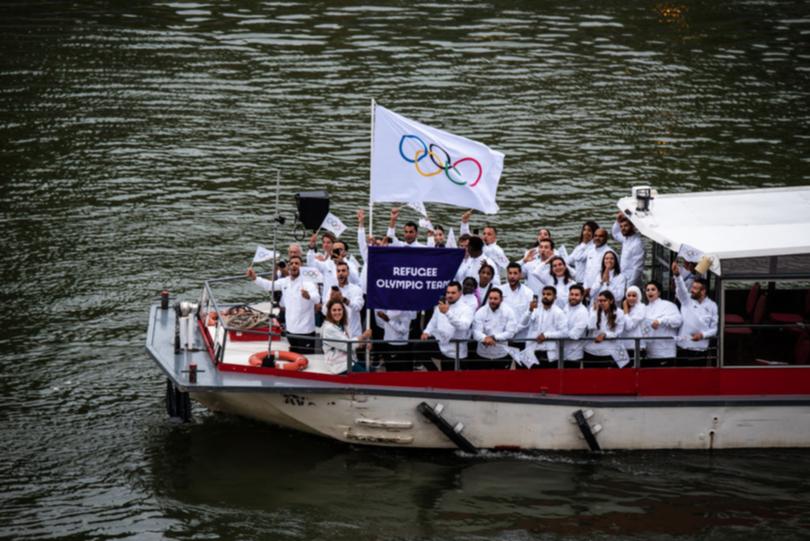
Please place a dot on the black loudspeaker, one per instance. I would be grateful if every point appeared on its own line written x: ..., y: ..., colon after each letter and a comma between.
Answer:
x: 312, y: 208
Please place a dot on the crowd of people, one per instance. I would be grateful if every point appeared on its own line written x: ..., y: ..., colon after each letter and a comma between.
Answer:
x: 592, y: 305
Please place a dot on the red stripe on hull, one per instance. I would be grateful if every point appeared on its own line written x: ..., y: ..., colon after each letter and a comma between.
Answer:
x: 670, y: 382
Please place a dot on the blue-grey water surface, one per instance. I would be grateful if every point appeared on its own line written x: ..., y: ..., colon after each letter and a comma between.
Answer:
x: 138, y: 148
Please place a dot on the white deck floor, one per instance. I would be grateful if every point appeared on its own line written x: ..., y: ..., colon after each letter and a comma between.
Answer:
x: 238, y: 352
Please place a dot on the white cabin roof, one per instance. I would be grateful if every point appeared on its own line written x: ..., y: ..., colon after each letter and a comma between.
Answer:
x: 728, y: 224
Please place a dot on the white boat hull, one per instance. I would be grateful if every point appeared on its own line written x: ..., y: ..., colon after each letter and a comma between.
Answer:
x: 395, y: 421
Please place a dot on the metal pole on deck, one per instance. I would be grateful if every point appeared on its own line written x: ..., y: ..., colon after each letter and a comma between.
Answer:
x: 273, y: 277
x: 370, y: 228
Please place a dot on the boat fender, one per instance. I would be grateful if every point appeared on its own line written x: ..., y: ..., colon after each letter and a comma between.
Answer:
x: 281, y: 360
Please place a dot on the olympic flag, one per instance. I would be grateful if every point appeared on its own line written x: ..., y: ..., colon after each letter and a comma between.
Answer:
x: 414, y: 162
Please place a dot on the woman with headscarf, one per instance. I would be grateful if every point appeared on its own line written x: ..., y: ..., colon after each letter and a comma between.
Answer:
x: 634, y: 312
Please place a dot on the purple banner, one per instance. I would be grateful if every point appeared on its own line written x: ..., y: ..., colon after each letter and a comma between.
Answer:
x: 404, y: 278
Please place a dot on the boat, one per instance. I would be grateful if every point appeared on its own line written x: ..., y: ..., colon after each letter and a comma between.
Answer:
x: 753, y: 393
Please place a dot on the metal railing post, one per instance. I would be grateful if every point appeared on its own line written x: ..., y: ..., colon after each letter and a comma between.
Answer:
x: 457, y: 361
x: 560, y: 353
x: 637, y: 352
x: 349, y: 359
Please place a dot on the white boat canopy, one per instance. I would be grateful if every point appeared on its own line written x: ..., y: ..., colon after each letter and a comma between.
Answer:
x: 727, y: 224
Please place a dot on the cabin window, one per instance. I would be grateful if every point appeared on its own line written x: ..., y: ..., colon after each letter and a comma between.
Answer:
x: 765, y: 319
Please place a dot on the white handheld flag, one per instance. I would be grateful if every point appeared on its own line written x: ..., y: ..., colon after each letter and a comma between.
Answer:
x: 424, y: 223
x: 333, y: 224
x: 312, y: 274
x: 690, y: 253
x: 451, y: 240
x: 419, y: 207
x: 414, y: 162
x: 263, y: 254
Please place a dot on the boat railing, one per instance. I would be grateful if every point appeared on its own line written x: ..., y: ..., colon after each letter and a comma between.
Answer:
x: 412, y: 351
x: 418, y: 352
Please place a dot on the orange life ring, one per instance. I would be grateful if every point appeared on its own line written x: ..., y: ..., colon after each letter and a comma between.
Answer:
x: 290, y: 361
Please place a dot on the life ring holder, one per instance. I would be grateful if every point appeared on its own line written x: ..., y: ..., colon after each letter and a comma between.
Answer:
x: 292, y: 362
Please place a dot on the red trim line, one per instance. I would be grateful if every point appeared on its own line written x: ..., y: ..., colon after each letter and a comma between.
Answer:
x: 670, y: 382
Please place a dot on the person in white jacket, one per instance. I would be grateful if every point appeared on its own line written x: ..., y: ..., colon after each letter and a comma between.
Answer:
x: 594, y: 262
x: 700, y: 318
x: 535, y: 264
x: 606, y: 323
x: 662, y: 319
x: 410, y: 231
x: 559, y: 277
x: 632, y: 258
x: 545, y: 323
x: 298, y: 299
x: 610, y: 278
x: 452, y: 320
x: 396, y: 352
x: 336, y: 340
x: 518, y: 297
x: 578, y: 258
x: 350, y: 295
x: 576, y: 322
x: 634, y: 314
x: 326, y: 265
x: 493, y: 326
x: 490, y: 237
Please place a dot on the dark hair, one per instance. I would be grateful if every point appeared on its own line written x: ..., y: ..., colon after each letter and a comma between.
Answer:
x: 438, y: 228
x: 617, y: 269
x: 590, y: 223
x: 455, y: 284
x: 611, y: 314
x: 329, y: 235
x: 467, y: 280
x: 412, y: 224
x: 702, y: 281
x: 551, y: 242
x: 341, y: 264
x: 494, y: 229
x: 578, y: 287
x: 475, y: 244
x: 298, y: 257
x: 514, y: 265
x: 550, y: 288
x: 329, y: 306
x: 486, y: 265
x: 566, y: 277
x: 465, y: 236
x: 495, y: 290
x: 657, y: 285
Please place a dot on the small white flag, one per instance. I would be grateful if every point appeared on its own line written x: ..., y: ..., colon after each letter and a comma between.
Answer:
x: 525, y: 356
x: 451, y: 240
x: 312, y: 274
x: 563, y: 252
x: 263, y: 254
x: 690, y: 253
x: 419, y: 207
x: 333, y: 224
x: 425, y: 224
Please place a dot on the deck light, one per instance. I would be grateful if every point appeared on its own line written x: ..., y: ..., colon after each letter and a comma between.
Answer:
x: 643, y: 195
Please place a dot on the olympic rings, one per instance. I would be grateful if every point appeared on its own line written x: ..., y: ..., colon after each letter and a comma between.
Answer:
x: 442, y: 166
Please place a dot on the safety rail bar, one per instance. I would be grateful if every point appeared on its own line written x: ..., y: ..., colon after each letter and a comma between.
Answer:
x: 217, y: 349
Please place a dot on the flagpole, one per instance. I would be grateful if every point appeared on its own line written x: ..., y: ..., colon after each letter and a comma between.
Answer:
x: 273, y: 278
x: 370, y: 226
x: 370, y: 202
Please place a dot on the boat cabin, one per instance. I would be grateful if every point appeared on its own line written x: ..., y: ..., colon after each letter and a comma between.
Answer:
x: 756, y: 246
